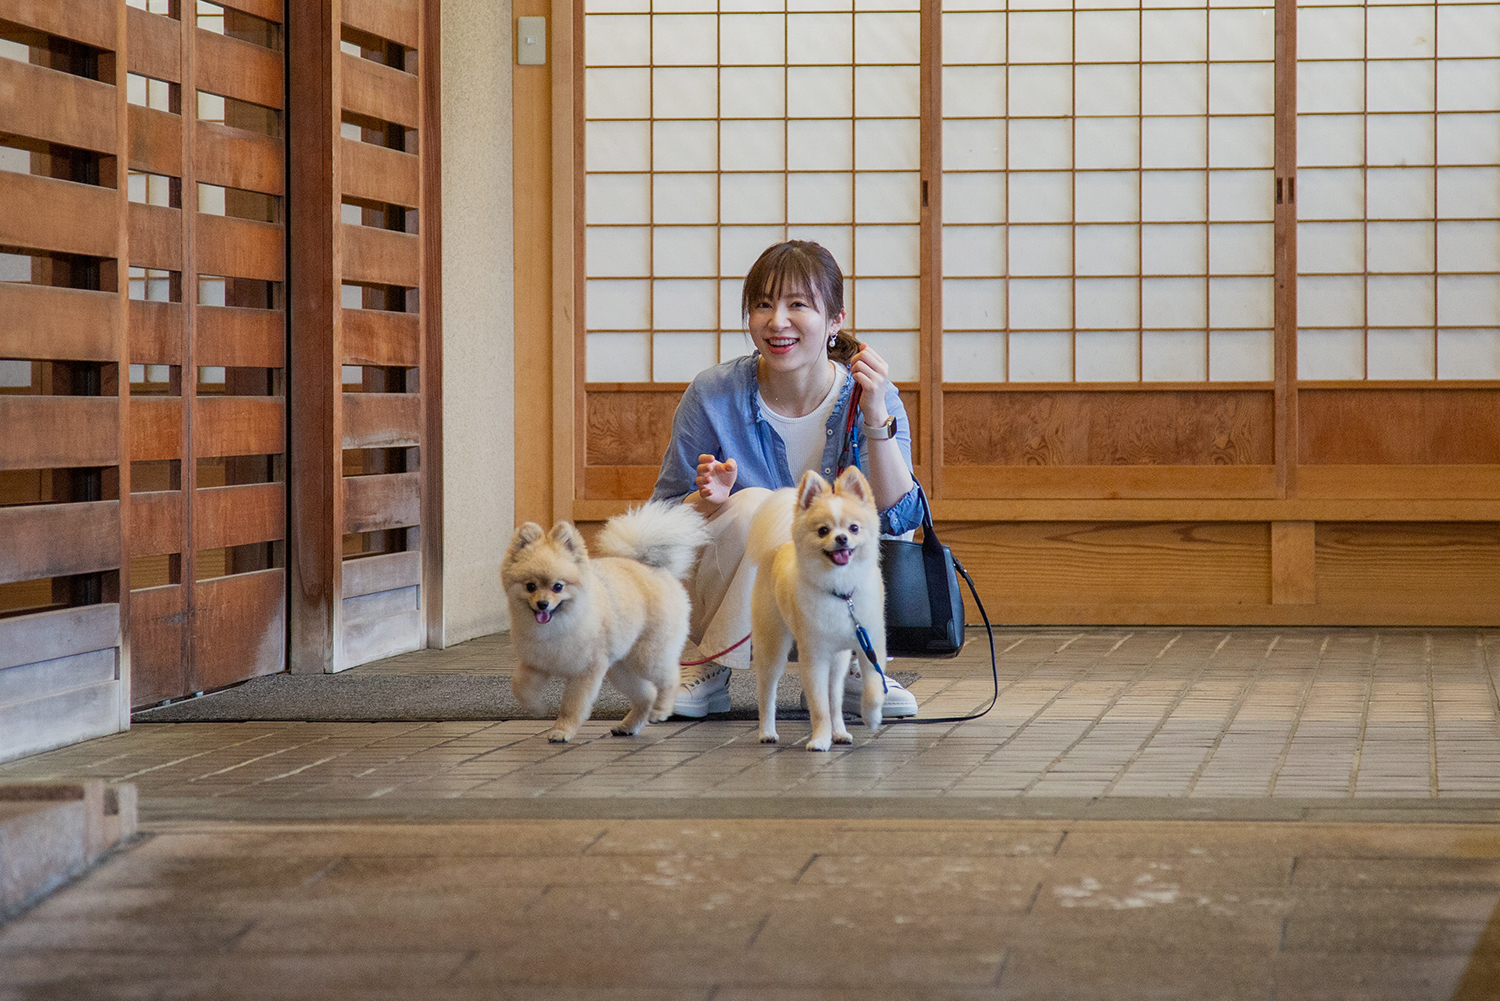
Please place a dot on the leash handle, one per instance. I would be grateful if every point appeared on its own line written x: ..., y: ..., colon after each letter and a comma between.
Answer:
x: 994, y: 667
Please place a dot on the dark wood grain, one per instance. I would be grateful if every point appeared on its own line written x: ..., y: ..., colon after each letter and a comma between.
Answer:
x: 57, y: 107
x: 381, y: 337
x: 154, y: 141
x: 239, y: 248
x: 234, y: 158
x: 396, y: 20
x: 381, y: 256
x: 239, y: 629
x: 241, y: 338
x: 239, y: 425
x: 629, y: 428
x: 1436, y: 426
x: 155, y: 237
x: 382, y: 501
x: 238, y: 69
x: 379, y: 92
x: 44, y: 322
x: 157, y: 522
x: 155, y: 332
x: 378, y: 174
x: 158, y: 645
x: 381, y: 420
x: 155, y: 429
x: 51, y: 432
x: 57, y: 215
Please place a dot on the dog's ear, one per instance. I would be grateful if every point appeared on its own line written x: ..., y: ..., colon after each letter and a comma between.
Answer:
x: 565, y: 535
x: 528, y: 534
x: 852, y: 482
x: 811, y: 488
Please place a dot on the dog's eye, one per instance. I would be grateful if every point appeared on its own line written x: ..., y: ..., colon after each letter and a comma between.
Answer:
x: 530, y: 586
x: 822, y: 531
x: 557, y: 587
x: 853, y: 529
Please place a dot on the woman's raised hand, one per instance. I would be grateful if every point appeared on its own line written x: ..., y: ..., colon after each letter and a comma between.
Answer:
x: 715, y: 478
x: 872, y: 373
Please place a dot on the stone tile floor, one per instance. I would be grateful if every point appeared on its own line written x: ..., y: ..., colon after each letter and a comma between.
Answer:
x: 1146, y: 813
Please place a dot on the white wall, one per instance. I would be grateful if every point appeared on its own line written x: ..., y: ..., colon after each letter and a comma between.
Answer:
x: 478, y: 318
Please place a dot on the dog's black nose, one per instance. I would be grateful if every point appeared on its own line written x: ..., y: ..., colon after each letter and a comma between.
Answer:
x: 541, y: 606
x: 841, y: 540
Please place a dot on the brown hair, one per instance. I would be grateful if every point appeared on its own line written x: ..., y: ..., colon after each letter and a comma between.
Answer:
x: 805, y: 266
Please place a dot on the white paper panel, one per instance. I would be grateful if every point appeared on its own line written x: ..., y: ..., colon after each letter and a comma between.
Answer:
x: 1106, y: 36
x: 1468, y: 300
x: 1045, y: 144
x: 1241, y: 195
x: 617, y: 146
x: 973, y: 304
x: 1241, y: 302
x: 686, y: 198
x: 820, y: 92
x: 901, y: 349
x: 617, y: 40
x: 1400, y: 193
x: 887, y: 144
x: 731, y: 300
x: 1241, y: 88
x: 1041, y: 91
x: 973, y: 197
x: 1241, y: 35
x: 1173, y: 303
x: 969, y: 357
x: 1401, y: 354
x: 885, y: 304
x: 1405, y: 32
x: 1404, y: 85
x: 752, y: 145
x: 1468, y: 354
x: 1468, y: 85
x: 887, y: 198
x: 1037, y: 356
x: 973, y: 38
x: 1468, y: 246
x: 886, y: 38
x: 617, y: 305
x: 887, y: 90
x: 1330, y: 33
x: 686, y: 251
x: 684, y: 304
x: 1106, y: 197
x: 211, y: 292
x: 1174, y: 35
x: 1174, y: 250
x: 1330, y: 301
x: 1174, y: 90
x: 1401, y: 300
x: 1041, y: 250
x: 820, y: 198
x: 750, y: 198
x: 973, y: 91
x: 1330, y: 140
x: 1330, y: 354
x: 1333, y: 86
x: 684, y: 40
x: 973, y: 251
x: 1331, y: 194
x: 739, y: 246
x: 618, y: 198
x: 1400, y: 247
x: 753, y: 92
x: 1106, y: 356
x: 1330, y: 248
x: 1468, y: 139
x: 1105, y: 250
x: 618, y: 251
x: 1041, y: 37
x: 685, y: 92
x: 820, y: 145
x: 1106, y: 90
x: 1468, y: 192
x: 1241, y: 249
x: 1107, y: 143
x: 1040, y: 304
x: 1173, y: 196
x: 1398, y: 140
x: 1468, y: 30
x: 1106, y: 304
x: 1241, y: 356
x: 617, y: 357
x: 679, y: 357
x: 686, y: 145
x: 974, y: 145
x: 1241, y: 142
x: 839, y: 240
x: 887, y: 250
x: 820, y: 38
x: 1174, y: 143
x: 734, y: 346
x: 617, y: 6
x: 1173, y: 356
x: 752, y: 39
x: 617, y: 93
x: 1040, y: 197
x: 211, y: 199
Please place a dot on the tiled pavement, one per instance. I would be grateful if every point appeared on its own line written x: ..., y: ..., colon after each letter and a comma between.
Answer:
x: 1149, y: 813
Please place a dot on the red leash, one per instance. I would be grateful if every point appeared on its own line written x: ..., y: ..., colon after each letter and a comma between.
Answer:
x: 705, y: 660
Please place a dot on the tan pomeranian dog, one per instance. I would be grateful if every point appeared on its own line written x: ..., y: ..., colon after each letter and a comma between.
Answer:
x: 621, y: 615
x: 814, y: 589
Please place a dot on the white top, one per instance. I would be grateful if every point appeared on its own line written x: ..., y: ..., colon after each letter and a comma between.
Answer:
x: 805, y: 437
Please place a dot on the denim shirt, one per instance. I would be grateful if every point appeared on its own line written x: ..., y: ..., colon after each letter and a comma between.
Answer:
x: 720, y: 416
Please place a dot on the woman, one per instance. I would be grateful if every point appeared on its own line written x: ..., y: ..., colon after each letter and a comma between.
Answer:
x: 757, y: 423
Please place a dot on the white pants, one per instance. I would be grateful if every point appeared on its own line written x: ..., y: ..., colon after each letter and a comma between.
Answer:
x: 721, y: 585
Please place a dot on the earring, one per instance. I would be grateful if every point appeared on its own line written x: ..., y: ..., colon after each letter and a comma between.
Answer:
x: 833, y: 340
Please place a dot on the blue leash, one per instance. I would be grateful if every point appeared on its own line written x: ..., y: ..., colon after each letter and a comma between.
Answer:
x: 864, y: 639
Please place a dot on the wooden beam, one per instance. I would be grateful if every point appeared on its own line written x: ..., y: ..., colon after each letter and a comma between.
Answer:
x: 233, y: 158
x: 155, y: 139
x: 155, y: 237
x: 155, y: 45
x: 56, y: 432
x: 1294, y: 574
x: 157, y: 522
x: 976, y: 482
x: 382, y: 420
x: 239, y: 425
x: 238, y: 69
x: 156, y: 332
x: 381, y: 256
x: 239, y: 629
x: 93, y: 22
x: 239, y: 515
x: 379, y: 92
x: 64, y: 632
x: 377, y: 174
x: 46, y: 214
x: 155, y: 429
x: 432, y: 629
x: 241, y: 338
x: 386, y: 572
x: 62, y: 323
x: 382, y: 501
x: 381, y: 337
x: 59, y: 540
x: 57, y: 107
x: 239, y: 248
x: 395, y: 20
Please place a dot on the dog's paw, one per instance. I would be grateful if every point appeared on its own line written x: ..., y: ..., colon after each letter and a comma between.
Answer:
x: 659, y: 717
x: 621, y: 730
x: 843, y: 738
x: 559, y: 737
x: 769, y: 738
x: 819, y: 744
x: 872, y: 720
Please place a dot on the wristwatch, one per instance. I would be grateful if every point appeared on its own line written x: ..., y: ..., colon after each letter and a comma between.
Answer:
x: 886, y: 430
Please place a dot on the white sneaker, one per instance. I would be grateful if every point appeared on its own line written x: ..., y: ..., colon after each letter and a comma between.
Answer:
x: 704, y: 690
x: 898, y: 700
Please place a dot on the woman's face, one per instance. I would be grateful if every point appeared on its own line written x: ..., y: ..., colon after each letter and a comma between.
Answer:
x: 791, y: 331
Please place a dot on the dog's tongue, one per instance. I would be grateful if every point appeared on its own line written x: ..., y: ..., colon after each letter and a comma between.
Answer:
x: 543, y: 616
x: 841, y: 556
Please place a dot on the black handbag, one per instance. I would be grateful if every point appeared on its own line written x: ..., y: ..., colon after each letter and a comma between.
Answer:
x: 924, y: 610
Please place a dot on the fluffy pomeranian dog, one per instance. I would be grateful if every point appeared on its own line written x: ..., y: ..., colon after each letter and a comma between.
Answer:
x: 621, y: 615
x: 804, y: 591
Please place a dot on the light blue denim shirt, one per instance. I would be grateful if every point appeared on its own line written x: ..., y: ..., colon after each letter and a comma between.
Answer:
x: 720, y: 416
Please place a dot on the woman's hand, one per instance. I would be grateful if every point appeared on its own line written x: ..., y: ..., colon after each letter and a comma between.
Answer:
x: 715, y: 479
x: 872, y: 373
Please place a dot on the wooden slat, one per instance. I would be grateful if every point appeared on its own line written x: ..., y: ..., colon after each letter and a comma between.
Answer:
x: 155, y: 45
x: 155, y: 428
x: 156, y: 332
x: 238, y: 515
x: 375, y: 639
x: 381, y: 256
x: 241, y: 338
x: 379, y: 91
x: 58, y: 540
x: 1452, y: 482
x: 47, y: 214
x: 239, y: 629
x: 386, y: 572
x: 155, y: 141
x: 382, y: 501
x: 381, y: 337
x: 156, y: 523
x: 53, y: 432
x: 632, y: 482
x: 89, y: 21
x: 395, y: 20
x: 1108, y: 481
x: 238, y: 69
x: 233, y: 158
x: 158, y: 662
x: 155, y: 237
x: 239, y: 248
x: 50, y: 677
x: 239, y: 425
x: 58, y: 720
x: 57, y: 107
x: 1293, y: 564
x: 382, y: 420
x: 1367, y: 426
x: 378, y: 174
x: 266, y: 10
x: 381, y: 605
x: 27, y: 639
x: 63, y: 323
x: 1451, y: 566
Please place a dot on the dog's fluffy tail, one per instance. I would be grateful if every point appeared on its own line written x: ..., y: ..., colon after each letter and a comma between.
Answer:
x: 659, y: 534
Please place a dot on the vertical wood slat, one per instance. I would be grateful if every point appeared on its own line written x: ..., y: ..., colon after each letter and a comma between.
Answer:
x: 430, y: 628
x: 930, y: 364
x: 121, y: 329
x: 568, y: 271
x: 1285, y: 248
